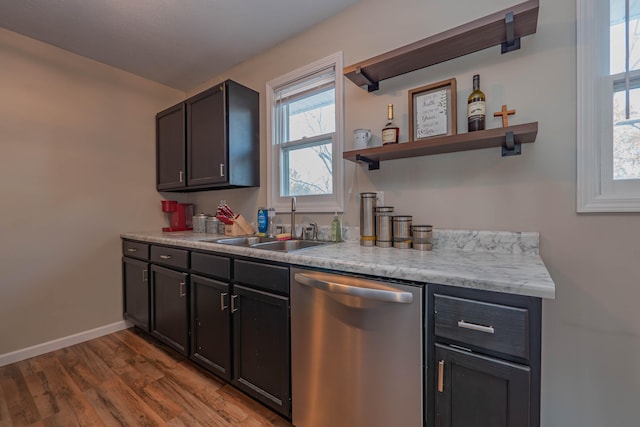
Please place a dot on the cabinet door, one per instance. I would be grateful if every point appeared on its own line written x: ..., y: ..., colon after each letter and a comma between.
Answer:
x: 473, y: 390
x: 206, y: 138
x: 135, y: 292
x: 169, y: 307
x: 261, y: 347
x: 170, y: 148
x: 210, y: 340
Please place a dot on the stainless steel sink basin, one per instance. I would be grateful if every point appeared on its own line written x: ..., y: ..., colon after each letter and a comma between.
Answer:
x: 267, y: 243
x: 242, y: 240
x: 288, y: 245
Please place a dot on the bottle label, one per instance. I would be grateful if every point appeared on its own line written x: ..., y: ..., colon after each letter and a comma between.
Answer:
x: 476, y: 109
x: 389, y: 136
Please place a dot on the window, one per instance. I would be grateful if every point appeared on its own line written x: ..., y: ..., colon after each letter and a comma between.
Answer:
x: 608, y: 48
x: 304, y: 123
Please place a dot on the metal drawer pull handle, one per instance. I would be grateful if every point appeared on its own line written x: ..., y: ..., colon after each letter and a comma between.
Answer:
x: 222, y: 306
x: 132, y: 250
x: 144, y: 275
x: 475, y: 327
x: 165, y: 256
x: 441, y: 376
x: 233, y: 303
x: 221, y: 169
x: 183, y: 292
x: 368, y: 293
x: 181, y: 176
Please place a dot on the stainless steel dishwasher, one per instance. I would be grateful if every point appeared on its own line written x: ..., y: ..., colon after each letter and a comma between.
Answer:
x: 356, y: 352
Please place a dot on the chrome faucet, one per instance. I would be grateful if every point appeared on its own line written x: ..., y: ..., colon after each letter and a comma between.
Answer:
x: 314, y: 227
x: 293, y: 219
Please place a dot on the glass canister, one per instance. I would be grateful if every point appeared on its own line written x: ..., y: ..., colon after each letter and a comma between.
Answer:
x: 384, y: 229
x: 422, y: 237
x: 367, y: 219
x: 402, y: 231
x: 200, y: 222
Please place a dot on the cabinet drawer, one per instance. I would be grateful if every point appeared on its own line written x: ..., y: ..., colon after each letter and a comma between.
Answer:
x: 490, y: 326
x: 170, y: 256
x: 211, y: 265
x: 135, y: 249
x: 262, y: 276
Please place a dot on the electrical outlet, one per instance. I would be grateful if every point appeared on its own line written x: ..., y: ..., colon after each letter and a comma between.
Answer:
x: 380, y: 197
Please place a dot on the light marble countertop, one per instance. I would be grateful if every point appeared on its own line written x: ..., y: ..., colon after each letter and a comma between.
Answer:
x: 507, y: 262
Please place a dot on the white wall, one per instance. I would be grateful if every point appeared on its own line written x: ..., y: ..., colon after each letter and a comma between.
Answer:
x: 591, y: 331
x: 77, y: 167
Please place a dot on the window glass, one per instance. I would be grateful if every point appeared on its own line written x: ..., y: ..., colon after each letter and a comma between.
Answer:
x: 626, y: 136
x: 617, y: 45
x: 626, y: 95
x: 309, y: 171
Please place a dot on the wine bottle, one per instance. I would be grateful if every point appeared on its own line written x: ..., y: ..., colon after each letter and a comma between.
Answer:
x: 476, y: 107
x: 390, y: 131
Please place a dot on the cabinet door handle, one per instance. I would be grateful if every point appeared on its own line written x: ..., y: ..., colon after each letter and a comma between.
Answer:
x: 221, y: 169
x: 440, y: 376
x: 144, y: 275
x: 165, y: 256
x: 183, y: 292
x: 476, y: 327
x: 132, y: 250
x: 181, y: 176
x: 223, y: 307
x: 233, y: 303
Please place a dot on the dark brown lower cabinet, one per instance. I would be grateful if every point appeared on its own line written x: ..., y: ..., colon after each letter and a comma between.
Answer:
x: 170, y: 307
x: 210, y: 340
x: 135, y: 285
x: 261, y: 346
x: 474, y: 390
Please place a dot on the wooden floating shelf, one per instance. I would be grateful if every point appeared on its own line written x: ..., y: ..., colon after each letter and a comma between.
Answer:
x: 522, y: 134
x: 492, y: 30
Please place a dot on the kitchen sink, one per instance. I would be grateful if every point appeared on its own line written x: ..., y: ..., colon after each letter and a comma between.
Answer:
x: 288, y: 245
x: 268, y: 243
x: 242, y: 240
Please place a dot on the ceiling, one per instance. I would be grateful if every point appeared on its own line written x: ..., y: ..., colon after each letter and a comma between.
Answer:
x: 179, y: 43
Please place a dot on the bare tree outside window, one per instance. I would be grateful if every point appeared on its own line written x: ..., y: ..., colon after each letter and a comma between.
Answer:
x: 626, y: 129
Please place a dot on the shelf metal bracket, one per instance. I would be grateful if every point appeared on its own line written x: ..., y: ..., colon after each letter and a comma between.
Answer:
x: 373, y: 164
x: 371, y: 85
x: 510, y: 148
x: 512, y: 42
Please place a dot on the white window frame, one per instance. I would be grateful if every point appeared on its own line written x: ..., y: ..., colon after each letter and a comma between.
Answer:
x: 320, y: 203
x: 597, y: 191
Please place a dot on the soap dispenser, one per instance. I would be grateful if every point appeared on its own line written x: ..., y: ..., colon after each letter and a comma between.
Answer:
x: 336, y: 229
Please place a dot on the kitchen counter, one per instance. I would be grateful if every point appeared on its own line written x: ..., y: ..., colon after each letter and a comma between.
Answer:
x: 507, y: 262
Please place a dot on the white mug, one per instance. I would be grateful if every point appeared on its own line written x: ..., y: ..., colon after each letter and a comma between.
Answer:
x: 361, y: 138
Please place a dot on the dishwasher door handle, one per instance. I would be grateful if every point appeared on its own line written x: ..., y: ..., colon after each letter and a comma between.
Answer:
x: 356, y: 291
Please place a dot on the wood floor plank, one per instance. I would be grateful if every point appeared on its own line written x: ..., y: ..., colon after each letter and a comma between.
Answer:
x: 117, y: 404
x: 84, y: 367
x: 261, y: 413
x: 22, y: 408
x: 5, y: 415
x: 69, y: 399
x: 124, y: 378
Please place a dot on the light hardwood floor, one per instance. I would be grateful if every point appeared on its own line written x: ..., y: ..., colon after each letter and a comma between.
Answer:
x: 122, y: 379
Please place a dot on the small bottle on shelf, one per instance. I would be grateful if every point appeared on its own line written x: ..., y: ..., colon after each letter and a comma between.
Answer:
x: 390, y: 131
x: 476, y: 107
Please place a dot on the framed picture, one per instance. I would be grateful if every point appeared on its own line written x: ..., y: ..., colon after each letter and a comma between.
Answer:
x: 432, y: 110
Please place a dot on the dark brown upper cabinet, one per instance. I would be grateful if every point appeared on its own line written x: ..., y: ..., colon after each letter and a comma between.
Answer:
x: 210, y: 141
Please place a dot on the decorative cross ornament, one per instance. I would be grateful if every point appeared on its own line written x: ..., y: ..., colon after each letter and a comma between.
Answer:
x: 505, y: 115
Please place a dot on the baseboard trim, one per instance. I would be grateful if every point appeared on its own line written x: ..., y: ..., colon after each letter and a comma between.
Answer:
x: 37, y: 350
